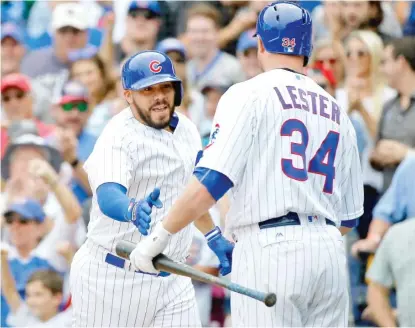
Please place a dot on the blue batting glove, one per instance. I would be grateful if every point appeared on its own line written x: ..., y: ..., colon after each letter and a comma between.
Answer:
x: 139, y: 212
x: 223, y: 249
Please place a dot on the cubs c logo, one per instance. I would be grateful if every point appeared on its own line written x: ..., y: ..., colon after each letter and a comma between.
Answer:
x: 155, y: 66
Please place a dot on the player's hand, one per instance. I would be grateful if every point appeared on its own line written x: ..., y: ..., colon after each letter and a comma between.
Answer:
x: 223, y: 249
x: 364, y: 245
x: 139, y: 212
x: 142, y: 256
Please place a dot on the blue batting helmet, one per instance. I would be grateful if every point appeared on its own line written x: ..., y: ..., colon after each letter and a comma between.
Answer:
x: 147, y: 68
x: 286, y: 28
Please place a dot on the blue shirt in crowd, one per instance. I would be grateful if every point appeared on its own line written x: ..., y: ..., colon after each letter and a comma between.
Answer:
x: 86, y: 143
x: 398, y: 204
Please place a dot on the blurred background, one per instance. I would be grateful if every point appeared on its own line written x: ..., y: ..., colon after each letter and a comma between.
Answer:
x: 60, y: 84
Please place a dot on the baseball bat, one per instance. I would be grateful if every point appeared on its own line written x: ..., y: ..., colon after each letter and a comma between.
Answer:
x: 162, y: 263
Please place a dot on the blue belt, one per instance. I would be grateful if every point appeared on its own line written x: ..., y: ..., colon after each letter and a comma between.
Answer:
x: 289, y: 219
x: 120, y: 263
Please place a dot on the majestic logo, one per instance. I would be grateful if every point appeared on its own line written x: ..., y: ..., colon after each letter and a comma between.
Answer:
x: 213, y: 135
x: 155, y: 66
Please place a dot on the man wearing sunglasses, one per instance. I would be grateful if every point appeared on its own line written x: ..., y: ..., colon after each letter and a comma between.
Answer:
x: 17, y: 103
x: 71, y: 114
x: 142, y: 28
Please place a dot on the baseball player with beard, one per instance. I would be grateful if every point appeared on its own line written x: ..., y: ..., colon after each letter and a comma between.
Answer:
x: 148, y: 144
x: 287, y: 154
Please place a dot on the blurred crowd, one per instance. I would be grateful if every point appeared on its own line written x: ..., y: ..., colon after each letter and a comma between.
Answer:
x: 60, y: 85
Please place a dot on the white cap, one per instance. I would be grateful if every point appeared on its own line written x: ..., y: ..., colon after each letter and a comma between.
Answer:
x: 70, y: 14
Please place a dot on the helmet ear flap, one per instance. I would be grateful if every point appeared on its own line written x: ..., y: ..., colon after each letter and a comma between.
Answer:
x: 178, y: 93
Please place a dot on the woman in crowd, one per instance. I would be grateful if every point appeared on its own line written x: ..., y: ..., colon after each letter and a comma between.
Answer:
x: 363, y: 95
x: 329, y: 54
x: 88, y: 67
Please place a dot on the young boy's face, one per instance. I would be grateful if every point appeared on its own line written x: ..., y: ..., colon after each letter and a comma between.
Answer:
x: 212, y: 99
x: 41, y: 301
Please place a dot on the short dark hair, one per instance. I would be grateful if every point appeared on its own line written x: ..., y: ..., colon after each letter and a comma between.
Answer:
x: 405, y: 47
x: 207, y: 11
x: 50, y: 279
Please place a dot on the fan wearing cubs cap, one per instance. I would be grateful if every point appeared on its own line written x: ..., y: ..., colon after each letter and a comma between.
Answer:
x: 137, y: 169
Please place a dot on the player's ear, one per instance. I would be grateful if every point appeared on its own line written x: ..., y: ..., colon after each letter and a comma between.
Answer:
x: 261, y: 48
x: 128, y: 96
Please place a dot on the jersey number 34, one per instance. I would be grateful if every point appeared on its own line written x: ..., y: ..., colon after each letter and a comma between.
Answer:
x: 316, y: 165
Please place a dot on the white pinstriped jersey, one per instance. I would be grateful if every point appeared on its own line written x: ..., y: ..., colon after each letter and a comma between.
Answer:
x: 287, y: 146
x: 141, y: 158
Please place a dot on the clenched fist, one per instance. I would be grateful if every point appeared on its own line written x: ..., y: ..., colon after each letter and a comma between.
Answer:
x: 41, y: 169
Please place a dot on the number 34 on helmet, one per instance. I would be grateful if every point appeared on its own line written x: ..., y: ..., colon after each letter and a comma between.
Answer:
x: 286, y: 28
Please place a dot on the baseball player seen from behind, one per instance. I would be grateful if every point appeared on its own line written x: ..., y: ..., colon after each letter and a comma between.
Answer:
x: 144, y: 146
x: 287, y: 155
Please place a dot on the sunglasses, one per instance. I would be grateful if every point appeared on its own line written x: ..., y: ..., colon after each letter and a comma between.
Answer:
x: 19, y: 95
x: 359, y: 53
x: 80, y: 106
x: 331, y: 61
x: 147, y: 14
x: 10, y: 220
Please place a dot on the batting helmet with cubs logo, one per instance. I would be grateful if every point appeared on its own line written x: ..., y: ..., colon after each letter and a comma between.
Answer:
x: 147, y: 68
x: 286, y: 28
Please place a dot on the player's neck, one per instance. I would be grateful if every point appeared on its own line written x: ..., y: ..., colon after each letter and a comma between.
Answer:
x: 280, y: 61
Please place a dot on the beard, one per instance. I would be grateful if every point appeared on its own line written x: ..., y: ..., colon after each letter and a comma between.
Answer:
x: 145, y: 115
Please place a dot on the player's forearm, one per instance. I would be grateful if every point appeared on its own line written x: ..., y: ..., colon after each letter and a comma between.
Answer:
x: 377, y: 298
x: 194, y: 202
x: 205, y: 223
x: 8, y: 286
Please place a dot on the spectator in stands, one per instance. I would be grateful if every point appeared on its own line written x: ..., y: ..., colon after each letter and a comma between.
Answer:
x: 331, y: 55
x: 44, y: 296
x: 88, y: 68
x: 193, y: 102
x: 353, y: 15
x: 212, y: 91
x: 405, y: 11
x: 323, y: 77
x: 364, y: 94
x: 396, y: 205
x: 327, y: 22
x: 49, y: 65
x: 208, y: 62
x: 12, y: 48
x: 246, y: 50
x: 71, y: 114
x: 142, y: 28
x: 394, y: 266
x: 17, y: 103
x: 396, y: 133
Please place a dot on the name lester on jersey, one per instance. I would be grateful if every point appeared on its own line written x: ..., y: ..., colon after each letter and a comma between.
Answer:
x: 320, y: 105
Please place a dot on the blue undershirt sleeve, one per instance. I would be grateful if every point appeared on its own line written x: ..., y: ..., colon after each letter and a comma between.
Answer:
x: 350, y: 223
x: 113, y: 200
x: 215, y: 182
